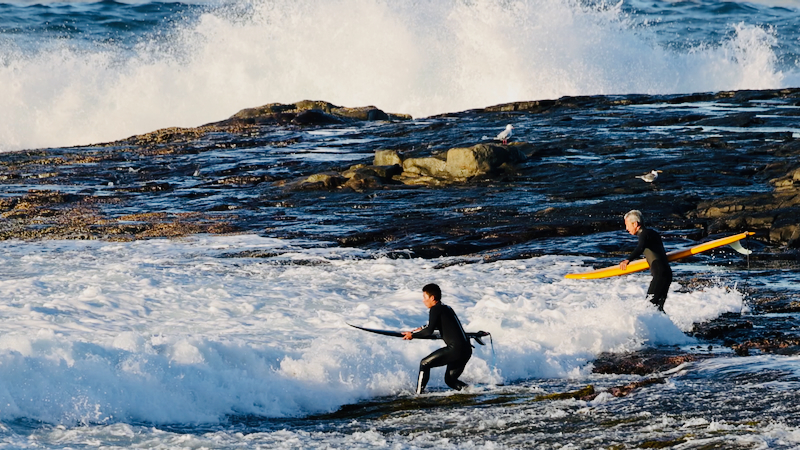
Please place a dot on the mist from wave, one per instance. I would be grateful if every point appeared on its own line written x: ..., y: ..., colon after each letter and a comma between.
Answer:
x: 422, y: 58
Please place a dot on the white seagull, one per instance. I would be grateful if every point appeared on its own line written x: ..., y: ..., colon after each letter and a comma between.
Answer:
x: 649, y: 177
x: 505, y: 134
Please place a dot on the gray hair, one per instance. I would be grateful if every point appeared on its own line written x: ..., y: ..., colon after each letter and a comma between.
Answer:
x: 634, y: 215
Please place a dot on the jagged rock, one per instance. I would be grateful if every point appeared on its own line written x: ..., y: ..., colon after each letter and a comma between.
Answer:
x: 363, y: 180
x: 777, y: 214
x: 315, y: 117
x: 622, y: 391
x: 734, y: 120
x: 641, y: 363
x: 429, y: 167
x: 387, y: 158
x: 352, y: 170
x: 312, y: 112
x: 480, y: 159
x: 786, y: 229
x: 779, y: 345
x: 362, y: 113
x: 326, y: 180
x: 459, y: 165
x: 577, y: 395
x: 589, y: 393
x: 277, y: 108
x: 385, y: 172
x: 362, y: 177
x: 419, y: 180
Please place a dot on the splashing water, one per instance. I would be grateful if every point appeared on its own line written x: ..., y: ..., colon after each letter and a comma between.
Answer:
x: 420, y: 58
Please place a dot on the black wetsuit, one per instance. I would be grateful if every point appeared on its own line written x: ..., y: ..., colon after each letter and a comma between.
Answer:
x: 455, y: 355
x: 650, y: 244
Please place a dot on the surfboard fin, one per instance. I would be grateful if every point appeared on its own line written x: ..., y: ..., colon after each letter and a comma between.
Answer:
x: 738, y: 247
x: 477, y: 336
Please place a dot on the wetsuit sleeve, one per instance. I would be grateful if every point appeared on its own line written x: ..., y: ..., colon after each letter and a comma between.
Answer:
x: 433, y: 322
x: 637, y: 252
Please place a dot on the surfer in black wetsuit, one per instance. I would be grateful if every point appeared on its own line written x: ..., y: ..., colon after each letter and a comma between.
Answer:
x: 458, y: 350
x: 650, y: 244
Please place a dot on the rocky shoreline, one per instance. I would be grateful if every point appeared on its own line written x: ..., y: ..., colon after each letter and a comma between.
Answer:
x: 438, y: 187
x: 159, y: 163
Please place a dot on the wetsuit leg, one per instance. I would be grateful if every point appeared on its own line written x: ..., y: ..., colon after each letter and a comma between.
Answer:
x: 659, y: 287
x: 454, y: 370
x: 453, y: 358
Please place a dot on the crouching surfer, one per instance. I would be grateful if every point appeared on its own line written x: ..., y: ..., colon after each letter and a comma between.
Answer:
x: 458, y: 350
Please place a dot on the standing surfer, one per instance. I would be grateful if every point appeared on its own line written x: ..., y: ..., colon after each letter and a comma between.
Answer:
x: 458, y: 351
x: 653, y: 248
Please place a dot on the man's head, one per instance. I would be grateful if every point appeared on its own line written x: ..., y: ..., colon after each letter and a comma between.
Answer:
x: 431, y: 294
x: 633, y: 221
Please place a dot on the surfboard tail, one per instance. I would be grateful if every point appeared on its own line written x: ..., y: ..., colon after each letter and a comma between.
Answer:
x: 477, y: 336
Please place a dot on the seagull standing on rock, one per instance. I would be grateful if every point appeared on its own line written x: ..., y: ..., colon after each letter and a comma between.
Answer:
x: 649, y: 177
x: 505, y: 134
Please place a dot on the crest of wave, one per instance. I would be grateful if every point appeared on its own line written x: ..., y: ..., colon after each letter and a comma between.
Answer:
x: 422, y: 57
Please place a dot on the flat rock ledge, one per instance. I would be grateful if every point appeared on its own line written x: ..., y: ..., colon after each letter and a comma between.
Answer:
x: 456, y: 165
x: 302, y: 113
x: 775, y: 214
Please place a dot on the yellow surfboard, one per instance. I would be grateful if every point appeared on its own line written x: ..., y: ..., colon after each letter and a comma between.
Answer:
x: 639, y: 265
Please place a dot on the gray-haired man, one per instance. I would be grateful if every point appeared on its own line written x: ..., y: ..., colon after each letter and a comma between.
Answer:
x: 652, y: 247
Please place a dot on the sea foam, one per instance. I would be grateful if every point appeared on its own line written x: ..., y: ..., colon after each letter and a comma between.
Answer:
x: 184, y: 332
x: 422, y: 58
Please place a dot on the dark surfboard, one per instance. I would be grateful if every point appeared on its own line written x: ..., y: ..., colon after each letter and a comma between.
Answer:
x: 477, y: 336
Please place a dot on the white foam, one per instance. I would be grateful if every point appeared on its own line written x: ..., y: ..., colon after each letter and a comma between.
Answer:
x: 168, y: 332
x: 420, y: 58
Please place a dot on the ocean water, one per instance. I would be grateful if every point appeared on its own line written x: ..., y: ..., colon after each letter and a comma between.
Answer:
x: 168, y: 342
x: 190, y: 343
x: 86, y: 72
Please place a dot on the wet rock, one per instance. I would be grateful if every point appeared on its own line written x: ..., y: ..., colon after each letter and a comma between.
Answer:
x: 384, y: 172
x: 734, y: 120
x: 480, y: 159
x: 662, y: 444
x: 362, y: 177
x: 641, y: 363
x: 731, y: 328
x: 365, y: 113
x: 327, y: 180
x: 458, y: 164
x: 387, y: 158
x: 425, y: 167
x: 412, y: 179
x: 775, y: 214
x: 786, y: 229
x: 363, y: 181
x: 312, y: 112
x: 242, y: 180
x: 588, y: 391
x: 315, y: 117
x: 778, y: 345
x: 622, y: 391
x: 148, y: 187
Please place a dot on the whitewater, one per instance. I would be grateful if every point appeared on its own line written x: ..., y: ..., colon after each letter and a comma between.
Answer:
x: 186, y: 332
x: 80, y: 73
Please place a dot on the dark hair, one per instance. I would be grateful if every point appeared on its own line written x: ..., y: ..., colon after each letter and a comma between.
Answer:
x: 433, y: 290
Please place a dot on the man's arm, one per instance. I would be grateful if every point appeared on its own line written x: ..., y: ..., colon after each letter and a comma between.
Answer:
x: 427, y: 330
x: 637, y: 252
